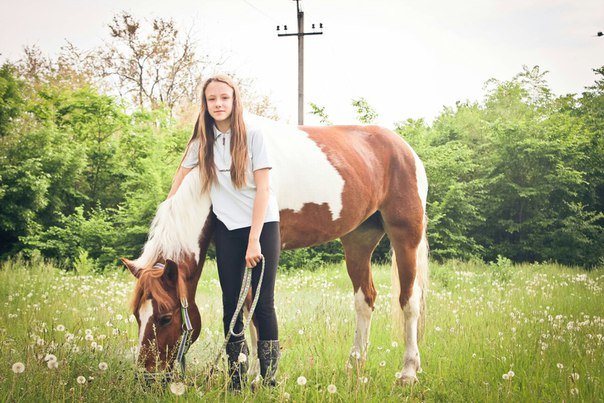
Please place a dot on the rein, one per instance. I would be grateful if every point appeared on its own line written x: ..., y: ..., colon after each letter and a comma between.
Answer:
x: 245, y: 287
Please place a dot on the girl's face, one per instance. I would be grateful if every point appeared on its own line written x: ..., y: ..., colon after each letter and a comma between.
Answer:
x: 219, y: 97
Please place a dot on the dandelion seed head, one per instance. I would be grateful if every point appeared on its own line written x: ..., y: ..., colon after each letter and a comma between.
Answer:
x: 332, y: 388
x: 398, y: 375
x: 301, y: 380
x: 242, y: 357
x: 50, y: 357
x: 60, y: 328
x: 394, y: 344
x: 511, y: 374
x: 383, y: 364
x: 286, y: 395
x: 559, y: 365
x: 574, y: 391
x: 574, y: 376
x: 18, y: 367
x: 103, y: 366
x: 301, y: 331
x: 52, y: 364
x: 505, y: 377
x: 81, y: 380
x: 178, y: 388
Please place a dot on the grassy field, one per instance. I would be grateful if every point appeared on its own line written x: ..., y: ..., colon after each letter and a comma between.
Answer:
x: 493, y: 333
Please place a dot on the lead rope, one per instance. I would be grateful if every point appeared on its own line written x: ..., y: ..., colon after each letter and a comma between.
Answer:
x: 245, y: 287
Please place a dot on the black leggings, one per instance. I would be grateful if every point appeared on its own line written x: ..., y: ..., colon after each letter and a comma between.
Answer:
x: 230, y: 257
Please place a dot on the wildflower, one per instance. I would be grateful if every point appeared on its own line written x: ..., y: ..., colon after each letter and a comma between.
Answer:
x: 511, y: 374
x: 574, y: 391
x: 50, y: 357
x: 103, y: 366
x: 115, y: 332
x: 242, y: 357
x: 394, y: 344
x: 178, y: 388
x: 88, y: 331
x: 398, y: 375
x: 81, y: 380
x: 52, y: 364
x: 505, y: 376
x: 332, y: 388
x: 574, y: 376
x: 60, y: 328
x: 301, y: 332
x: 559, y: 365
x: 40, y: 342
x: 363, y: 379
x: 383, y: 364
x: 301, y: 380
x: 89, y: 337
x: 18, y: 367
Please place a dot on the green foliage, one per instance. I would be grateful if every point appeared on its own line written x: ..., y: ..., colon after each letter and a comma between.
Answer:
x: 11, y: 100
x: 518, y: 176
x: 320, y: 112
x: 365, y: 113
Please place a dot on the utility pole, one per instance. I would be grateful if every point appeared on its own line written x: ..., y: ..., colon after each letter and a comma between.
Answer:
x: 300, y: 34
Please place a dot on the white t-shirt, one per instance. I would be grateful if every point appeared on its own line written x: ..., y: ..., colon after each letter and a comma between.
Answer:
x: 234, y: 206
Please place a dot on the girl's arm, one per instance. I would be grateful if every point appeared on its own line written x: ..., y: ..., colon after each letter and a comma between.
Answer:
x: 254, y: 253
x: 180, y: 175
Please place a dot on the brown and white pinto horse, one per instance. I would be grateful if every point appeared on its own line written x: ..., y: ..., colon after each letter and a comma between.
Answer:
x: 355, y: 183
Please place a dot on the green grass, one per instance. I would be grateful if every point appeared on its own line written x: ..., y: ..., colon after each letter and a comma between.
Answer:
x: 543, y: 322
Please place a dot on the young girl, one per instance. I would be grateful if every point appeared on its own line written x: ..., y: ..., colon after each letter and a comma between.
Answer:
x: 234, y: 166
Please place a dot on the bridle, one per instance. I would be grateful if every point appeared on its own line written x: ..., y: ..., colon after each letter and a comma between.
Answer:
x: 185, y: 340
x: 184, y: 343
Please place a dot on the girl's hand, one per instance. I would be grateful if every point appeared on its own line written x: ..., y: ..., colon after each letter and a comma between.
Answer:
x: 253, y: 256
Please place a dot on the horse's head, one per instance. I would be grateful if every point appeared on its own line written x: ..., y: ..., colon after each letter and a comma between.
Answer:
x: 164, y: 306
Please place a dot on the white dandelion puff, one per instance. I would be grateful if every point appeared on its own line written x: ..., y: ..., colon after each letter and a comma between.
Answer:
x: 18, y: 367
x: 60, y: 328
x: 52, y: 364
x: 89, y: 337
x: 574, y: 391
x: 574, y: 376
x: 178, y: 388
x: 394, y: 344
x: 511, y: 374
x: 242, y: 357
x: 559, y: 365
x: 103, y: 366
x: 505, y: 377
x: 383, y: 364
x: 398, y: 375
x: 50, y: 357
x: 81, y: 380
x: 301, y: 380
x: 332, y: 388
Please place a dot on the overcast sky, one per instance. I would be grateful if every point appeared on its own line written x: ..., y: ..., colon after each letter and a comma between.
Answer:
x: 407, y: 58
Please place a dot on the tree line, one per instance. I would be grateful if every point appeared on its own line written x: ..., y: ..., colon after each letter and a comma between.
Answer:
x: 83, y: 166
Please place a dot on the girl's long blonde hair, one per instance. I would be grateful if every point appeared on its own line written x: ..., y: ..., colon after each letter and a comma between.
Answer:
x: 204, y: 131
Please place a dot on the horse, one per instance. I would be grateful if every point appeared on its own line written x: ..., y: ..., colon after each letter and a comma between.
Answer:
x: 355, y: 183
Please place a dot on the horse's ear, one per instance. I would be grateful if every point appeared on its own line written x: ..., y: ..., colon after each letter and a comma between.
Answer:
x: 171, y: 270
x: 131, y: 266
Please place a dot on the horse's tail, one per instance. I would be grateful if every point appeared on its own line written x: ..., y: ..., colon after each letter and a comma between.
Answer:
x: 420, y: 289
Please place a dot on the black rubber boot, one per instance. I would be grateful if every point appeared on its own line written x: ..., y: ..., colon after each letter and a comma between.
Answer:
x: 268, y: 355
x: 237, y: 353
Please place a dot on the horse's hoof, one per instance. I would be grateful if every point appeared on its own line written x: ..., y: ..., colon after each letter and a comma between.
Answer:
x: 408, y: 379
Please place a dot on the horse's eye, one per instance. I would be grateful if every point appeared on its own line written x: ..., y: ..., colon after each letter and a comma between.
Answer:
x: 165, y: 319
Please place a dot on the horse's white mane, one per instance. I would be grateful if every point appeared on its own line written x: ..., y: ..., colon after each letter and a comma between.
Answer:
x: 178, y: 223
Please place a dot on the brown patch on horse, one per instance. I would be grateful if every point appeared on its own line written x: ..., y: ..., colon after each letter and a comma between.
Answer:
x: 153, y: 284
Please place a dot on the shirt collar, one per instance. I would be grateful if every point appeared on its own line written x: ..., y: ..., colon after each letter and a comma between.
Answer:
x: 217, y: 132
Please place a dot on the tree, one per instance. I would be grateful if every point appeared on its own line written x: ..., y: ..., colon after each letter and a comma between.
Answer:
x: 157, y: 68
x: 365, y: 113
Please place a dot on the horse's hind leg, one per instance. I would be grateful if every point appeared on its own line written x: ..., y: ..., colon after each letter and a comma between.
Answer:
x: 358, y: 247
x: 409, y: 269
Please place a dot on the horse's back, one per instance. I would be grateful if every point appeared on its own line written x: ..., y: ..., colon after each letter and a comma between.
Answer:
x: 328, y: 180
